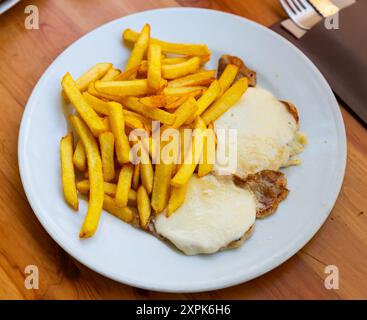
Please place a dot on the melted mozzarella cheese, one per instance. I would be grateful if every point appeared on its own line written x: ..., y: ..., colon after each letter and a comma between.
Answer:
x: 215, y: 213
x: 265, y: 132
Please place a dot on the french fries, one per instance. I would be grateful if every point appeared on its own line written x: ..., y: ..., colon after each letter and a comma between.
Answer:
x: 175, y: 91
x: 143, y: 204
x: 97, y: 104
x: 128, y: 74
x: 206, y: 99
x: 154, y: 66
x: 95, y: 73
x: 161, y: 187
x: 111, y: 74
x: 228, y: 76
x: 173, y: 71
x: 90, y: 117
x: 124, y: 185
x: 227, y: 100
x: 67, y: 171
x: 139, y: 49
x: 125, y: 88
x: 135, y: 105
x: 208, y: 154
x: 188, y: 167
x: 174, y: 60
x: 156, y: 101
x: 136, y: 177
x: 200, y: 78
x: 96, y: 192
x: 184, y: 91
x: 117, y: 125
x: 109, y: 189
x: 168, y: 47
x: 79, y: 157
x: 146, y: 171
x: 133, y: 122
x: 176, y: 199
x: 123, y: 213
x: 107, y: 143
x: 184, y: 112
x: 162, y: 178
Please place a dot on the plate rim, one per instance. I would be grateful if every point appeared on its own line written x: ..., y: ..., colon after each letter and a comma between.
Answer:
x: 224, y: 282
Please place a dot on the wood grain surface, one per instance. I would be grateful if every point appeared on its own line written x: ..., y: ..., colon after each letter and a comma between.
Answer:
x: 25, y: 55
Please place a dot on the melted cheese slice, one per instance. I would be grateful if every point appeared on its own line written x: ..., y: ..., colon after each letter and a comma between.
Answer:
x: 215, y: 213
x: 265, y: 132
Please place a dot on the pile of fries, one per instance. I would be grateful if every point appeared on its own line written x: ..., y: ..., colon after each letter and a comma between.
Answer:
x: 163, y: 87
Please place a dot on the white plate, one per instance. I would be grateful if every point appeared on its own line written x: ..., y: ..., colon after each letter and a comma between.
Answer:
x: 7, y: 4
x: 125, y: 254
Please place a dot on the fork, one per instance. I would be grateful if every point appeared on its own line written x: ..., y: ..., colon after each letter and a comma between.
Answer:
x: 301, y: 12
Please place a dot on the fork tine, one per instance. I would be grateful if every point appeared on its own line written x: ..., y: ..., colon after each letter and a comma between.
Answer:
x: 299, y: 4
x: 293, y: 6
x: 306, y: 4
x: 287, y: 9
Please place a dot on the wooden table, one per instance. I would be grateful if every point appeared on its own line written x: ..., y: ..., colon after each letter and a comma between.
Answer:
x: 24, y: 56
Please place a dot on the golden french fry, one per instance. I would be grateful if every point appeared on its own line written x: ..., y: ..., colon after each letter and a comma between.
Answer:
x: 150, y: 145
x: 176, y: 199
x: 79, y: 157
x: 67, y: 171
x: 174, y: 102
x: 111, y: 74
x: 174, y: 60
x: 136, y: 177
x: 133, y: 122
x: 137, y: 87
x: 128, y: 74
x: 167, y: 47
x: 134, y: 104
x: 90, y: 117
x: 173, y: 71
x: 227, y: 100
x: 117, y: 124
x: 161, y: 186
x: 92, y: 91
x: 93, y: 74
x: 154, y: 66
x: 107, y: 146
x: 200, y: 78
x: 143, y: 204
x: 123, y: 213
x: 156, y: 101
x: 184, y: 112
x: 208, y: 154
x: 188, y: 167
x: 206, y: 99
x: 183, y: 91
x: 109, y: 189
x: 124, y: 185
x: 227, y: 77
x: 139, y: 49
x: 97, y: 104
x: 146, y: 171
x: 95, y: 175
x: 107, y: 123
x: 163, y: 175
x: 143, y: 69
